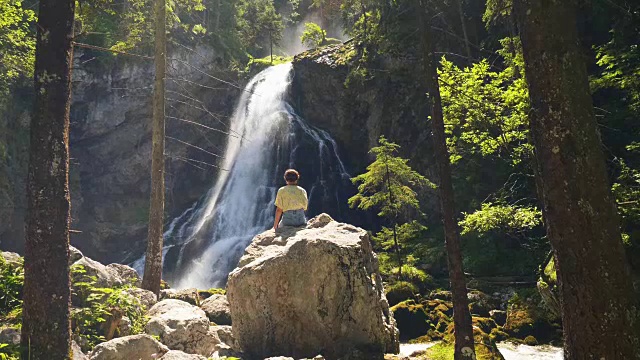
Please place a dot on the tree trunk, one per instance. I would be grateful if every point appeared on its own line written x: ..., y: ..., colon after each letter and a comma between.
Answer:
x: 464, y: 342
x: 579, y: 211
x: 464, y: 32
x: 46, y: 331
x: 153, y: 261
x: 395, y: 224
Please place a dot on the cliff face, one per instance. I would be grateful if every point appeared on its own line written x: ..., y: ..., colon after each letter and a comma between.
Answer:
x: 110, y: 144
x: 358, y: 102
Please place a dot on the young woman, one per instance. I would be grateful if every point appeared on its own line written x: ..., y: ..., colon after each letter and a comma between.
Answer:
x: 291, y: 202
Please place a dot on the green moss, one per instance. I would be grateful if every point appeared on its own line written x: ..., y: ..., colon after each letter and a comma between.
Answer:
x: 400, y: 291
x: 441, y: 351
x: 530, y: 340
x: 498, y: 335
x: 411, y: 319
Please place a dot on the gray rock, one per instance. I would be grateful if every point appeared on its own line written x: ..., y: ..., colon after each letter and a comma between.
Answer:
x: 217, y: 309
x: 303, y: 291
x: 182, y: 326
x: 138, y: 347
x: 187, y: 295
x: 14, y: 260
x: 179, y: 355
x: 74, y: 255
x: 128, y: 274
x: 10, y: 336
x: 77, y: 352
x: 146, y: 297
x: 124, y: 326
x: 225, y: 334
x: 105, y: 277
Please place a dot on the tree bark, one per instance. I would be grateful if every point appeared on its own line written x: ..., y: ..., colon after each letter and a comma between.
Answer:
x: 464, y: 342
x: 153, y: 262
x: 395, y: 225
x: 46, y: 330
x: 598, y: 309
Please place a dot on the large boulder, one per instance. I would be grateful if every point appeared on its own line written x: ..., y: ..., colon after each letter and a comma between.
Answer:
x: 182, y: 326
x: 217, y: 309
x: 139, y: 347
x: 309, y: 290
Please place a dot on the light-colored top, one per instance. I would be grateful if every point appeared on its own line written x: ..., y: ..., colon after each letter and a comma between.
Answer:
x: 291, y: 197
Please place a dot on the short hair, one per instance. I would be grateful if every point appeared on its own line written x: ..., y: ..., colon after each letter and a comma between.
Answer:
x: 291, y: 175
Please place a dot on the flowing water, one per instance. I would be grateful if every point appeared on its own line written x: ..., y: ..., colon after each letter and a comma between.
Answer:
x: 266, y: 136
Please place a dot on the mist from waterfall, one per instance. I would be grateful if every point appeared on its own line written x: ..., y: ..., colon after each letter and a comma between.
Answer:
x: 266, y: 136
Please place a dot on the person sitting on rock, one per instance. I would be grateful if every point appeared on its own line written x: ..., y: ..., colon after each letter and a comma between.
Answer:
x: 291, y: 202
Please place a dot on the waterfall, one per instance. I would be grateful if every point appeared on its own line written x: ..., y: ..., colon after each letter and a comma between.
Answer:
x: 266, y: 136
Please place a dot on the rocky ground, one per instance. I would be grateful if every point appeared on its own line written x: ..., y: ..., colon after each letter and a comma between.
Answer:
x: 310, y: 293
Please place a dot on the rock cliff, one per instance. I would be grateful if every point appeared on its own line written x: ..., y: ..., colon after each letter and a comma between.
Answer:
x: 311, y: 290
x: 110, y: 143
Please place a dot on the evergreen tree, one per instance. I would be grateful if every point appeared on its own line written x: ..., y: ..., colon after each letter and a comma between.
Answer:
x: 46, y: 330
x: 389, y: 185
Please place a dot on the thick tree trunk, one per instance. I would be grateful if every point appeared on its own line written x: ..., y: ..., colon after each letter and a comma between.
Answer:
x: 464, y: 342
x: 598, y: 309
x: 153, y: 261
x: 46, y: 333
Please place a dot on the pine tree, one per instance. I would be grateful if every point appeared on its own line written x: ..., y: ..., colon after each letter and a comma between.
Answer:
x: 46, y: 330
x: 388, y: 185
x: 599, y: 313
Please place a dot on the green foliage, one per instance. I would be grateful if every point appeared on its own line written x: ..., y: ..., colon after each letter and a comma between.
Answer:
x: 99, y: 304
x: 388, y: 183
x: 313, y: 35
x: 9, y: 352
x: 485, y: 111
x: 512, y: 220
x: 17, y: 44
x: 258, y: 24
x: 11, y: 285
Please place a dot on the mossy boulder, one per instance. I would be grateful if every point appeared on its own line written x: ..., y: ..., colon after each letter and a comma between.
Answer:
x: 530, y: 340
x: 498, y: 334
x: 411, y: 319
x: 525, y: 320
x: 400, y: 291
x: 481, y: 304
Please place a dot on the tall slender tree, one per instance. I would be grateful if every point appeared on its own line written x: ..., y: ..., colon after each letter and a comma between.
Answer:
x: 598, y: 311
x: 153, y: 261
x: 46, y: 330
x: 464, y: 342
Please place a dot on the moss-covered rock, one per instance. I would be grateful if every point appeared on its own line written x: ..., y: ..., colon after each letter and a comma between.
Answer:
x: 400, y: 291
x: 530, y: 340
x: 525, y: 320
x: 411, y: 319
x: 480, y: 303
x: 498, y: 334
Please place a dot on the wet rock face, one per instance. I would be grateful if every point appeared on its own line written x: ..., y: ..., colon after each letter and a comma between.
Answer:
x: 110, y: 144
x: 311, y: 290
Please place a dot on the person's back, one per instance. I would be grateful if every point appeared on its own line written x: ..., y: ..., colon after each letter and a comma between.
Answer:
x: 291, y: 202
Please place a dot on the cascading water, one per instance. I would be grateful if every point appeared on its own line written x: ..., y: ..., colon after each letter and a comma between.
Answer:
x: 266, y: 136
